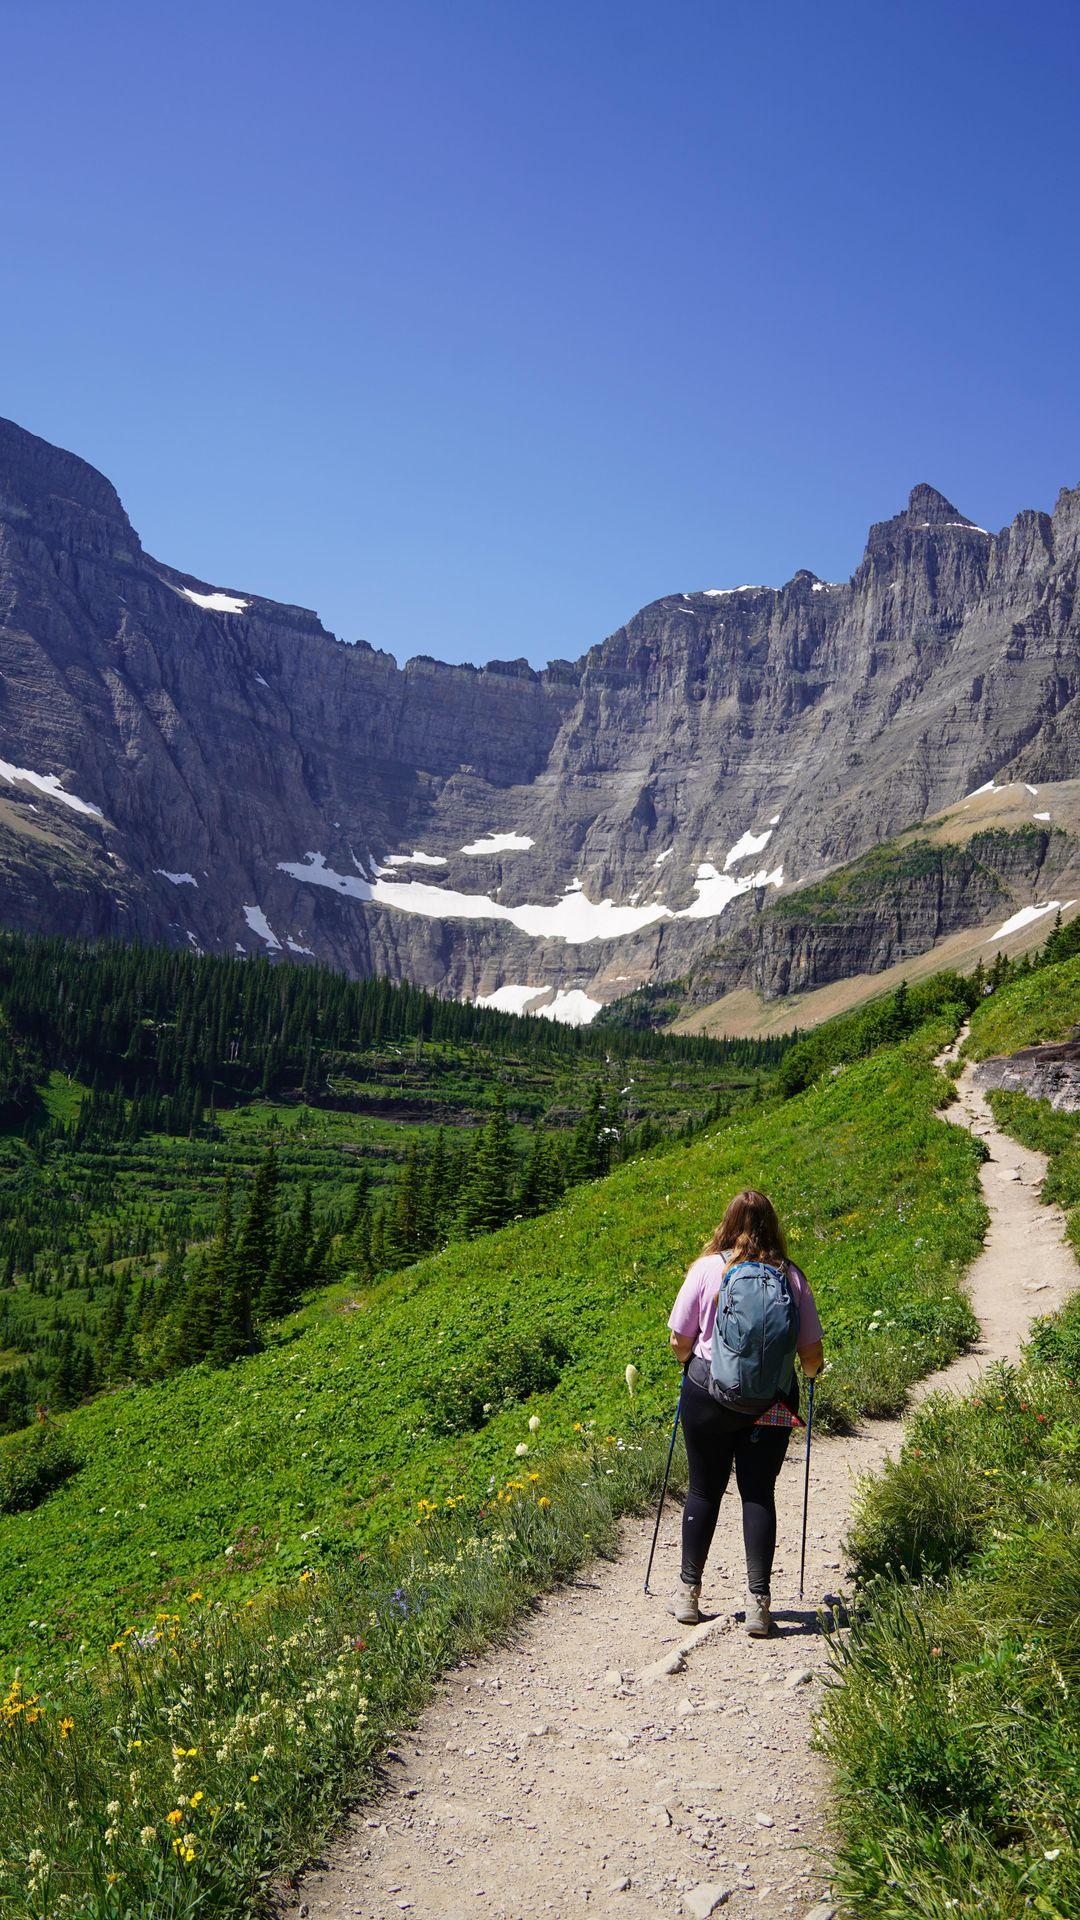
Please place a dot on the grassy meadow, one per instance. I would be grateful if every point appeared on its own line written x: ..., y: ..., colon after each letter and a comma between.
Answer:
x: 347, y: 1497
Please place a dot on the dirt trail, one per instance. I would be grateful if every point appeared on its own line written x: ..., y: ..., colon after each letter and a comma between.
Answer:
x: 557, y: 1776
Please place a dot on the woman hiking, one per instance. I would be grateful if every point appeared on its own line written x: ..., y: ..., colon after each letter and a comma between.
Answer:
x: 745, y: 1267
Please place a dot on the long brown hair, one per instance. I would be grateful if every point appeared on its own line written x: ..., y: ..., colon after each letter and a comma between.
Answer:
x: 749, y: 1229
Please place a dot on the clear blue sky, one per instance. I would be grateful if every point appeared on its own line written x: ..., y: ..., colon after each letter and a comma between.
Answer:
x: 476, y: 326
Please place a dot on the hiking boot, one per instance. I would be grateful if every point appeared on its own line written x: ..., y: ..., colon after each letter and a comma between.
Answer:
x: 758, y: 1622
x: 684, y: 1603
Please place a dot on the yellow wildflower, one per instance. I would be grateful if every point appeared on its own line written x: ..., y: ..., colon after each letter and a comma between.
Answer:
x: 256, y: 1776
x: 67, y: 1725
x: 174, y: 1818
x: 543, y: 1501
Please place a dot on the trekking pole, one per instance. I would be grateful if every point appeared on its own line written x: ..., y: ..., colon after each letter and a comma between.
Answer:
x: 663, y: 1490
x: 806, y: 1487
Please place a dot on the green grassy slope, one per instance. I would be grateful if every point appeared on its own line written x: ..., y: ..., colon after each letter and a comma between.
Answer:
x: 335, y: 1433
x: 955, y: 1736
x: 1044, y: 1006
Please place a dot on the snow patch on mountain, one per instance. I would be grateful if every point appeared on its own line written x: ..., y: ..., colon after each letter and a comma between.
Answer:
x: 575, y: 918
x: 748, y: 843
x: 499, y: 843
x: 571, y: 1007
x: 215, y: 602
x: 414, y: 859
x: 177, y: 879
x: 49, y: 785
x: 510, y: 999
x: 988, y: 786
x: 715, y: 891
x: 1027, y: 915
x: 259, y: 924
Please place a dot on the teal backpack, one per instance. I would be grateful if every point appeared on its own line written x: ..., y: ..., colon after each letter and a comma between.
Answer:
x: 755, y: 1337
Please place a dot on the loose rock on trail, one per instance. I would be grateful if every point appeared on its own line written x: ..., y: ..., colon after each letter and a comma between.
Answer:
x: 611, y: 1762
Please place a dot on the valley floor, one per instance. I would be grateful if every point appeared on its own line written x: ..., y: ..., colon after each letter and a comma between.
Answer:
x: 559, y: 1776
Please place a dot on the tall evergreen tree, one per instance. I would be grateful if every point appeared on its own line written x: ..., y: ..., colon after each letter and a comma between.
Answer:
x: 586, y: 1157
x: 490, y: 1190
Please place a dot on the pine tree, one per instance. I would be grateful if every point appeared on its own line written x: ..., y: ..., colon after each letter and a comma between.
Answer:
x: 530, y: 1198
x: 490, y: 1190
x: 360, y: 1201
x: 585, y: 1160
x: 356, y: 1248
x: 227, y: 1288
x: 284, y: 1280
x: 110, y: 1329
x: 257, y: 1239
x: 437, y: 1202
x: 378, y: 1242
x: 405, y: 1227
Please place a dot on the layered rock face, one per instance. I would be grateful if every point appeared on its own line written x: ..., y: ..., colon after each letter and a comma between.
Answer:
x: 190, y: 762
x: 1043, y: 1073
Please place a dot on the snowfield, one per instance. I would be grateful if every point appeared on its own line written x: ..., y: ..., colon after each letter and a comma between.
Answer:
x: 49, y: 785
x: 575, y: 918
x: 259, y: 924
x: 1027, y: 914
x: 571, y: 1006
x: 215, y: 602
x: 500, y: 843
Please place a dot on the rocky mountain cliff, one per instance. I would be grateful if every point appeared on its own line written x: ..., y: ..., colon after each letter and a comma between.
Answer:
x: 183, y: 761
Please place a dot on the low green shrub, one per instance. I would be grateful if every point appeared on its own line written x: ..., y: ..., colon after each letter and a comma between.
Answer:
x: 32, y: 1464
x: 503, y: 1373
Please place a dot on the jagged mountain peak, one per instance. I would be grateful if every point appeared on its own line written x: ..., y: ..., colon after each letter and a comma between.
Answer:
x: 33, y: 471
x: 926, y: 506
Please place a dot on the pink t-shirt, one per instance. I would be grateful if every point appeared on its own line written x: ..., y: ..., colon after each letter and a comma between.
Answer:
x: 694, y: 1311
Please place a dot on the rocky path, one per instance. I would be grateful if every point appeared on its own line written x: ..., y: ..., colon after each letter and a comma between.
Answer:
x: 612, y: 1763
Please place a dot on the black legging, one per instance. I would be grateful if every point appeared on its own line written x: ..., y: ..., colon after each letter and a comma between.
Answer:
x: 758, y: 1454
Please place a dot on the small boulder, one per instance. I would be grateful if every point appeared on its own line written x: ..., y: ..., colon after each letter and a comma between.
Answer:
x: 705, y: 1899
x: 661, y: 1669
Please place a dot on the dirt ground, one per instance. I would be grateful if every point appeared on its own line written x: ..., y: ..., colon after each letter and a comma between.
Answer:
x: 612, y: 1763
